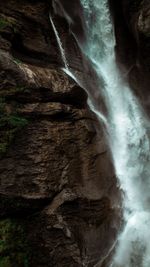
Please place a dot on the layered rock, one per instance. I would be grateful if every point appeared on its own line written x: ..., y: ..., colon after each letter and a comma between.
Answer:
x: 58, y: 187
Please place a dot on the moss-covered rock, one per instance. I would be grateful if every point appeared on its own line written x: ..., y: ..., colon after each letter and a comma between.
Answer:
x: 3, y: 23
x: 10, y: 124
x: 14, y: 251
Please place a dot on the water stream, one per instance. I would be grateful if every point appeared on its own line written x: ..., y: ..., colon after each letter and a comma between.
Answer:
x: 128, y: 130
x: 61, y: 49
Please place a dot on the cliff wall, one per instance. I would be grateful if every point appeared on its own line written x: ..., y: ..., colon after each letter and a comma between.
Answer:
x: 59, y: 195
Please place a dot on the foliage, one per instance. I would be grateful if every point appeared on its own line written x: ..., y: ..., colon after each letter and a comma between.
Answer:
x: 3, y: 23
x: 12, y: 121
x: 8, y: 22
x: 14, y: 250
x: 17, y: 61
x: 10, y: 124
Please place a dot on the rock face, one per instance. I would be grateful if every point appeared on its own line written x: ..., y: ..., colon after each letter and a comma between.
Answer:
x: 132, y: 27
x: 59, y: 195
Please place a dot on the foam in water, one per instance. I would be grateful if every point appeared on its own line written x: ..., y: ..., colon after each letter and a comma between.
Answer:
x: 128, y: 138
x: 128, y: 135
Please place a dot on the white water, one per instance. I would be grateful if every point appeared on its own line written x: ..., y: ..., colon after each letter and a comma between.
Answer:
x: 69, y: 73
x: 128, y: 137
x: 99, y: 115
x: 59, y: 44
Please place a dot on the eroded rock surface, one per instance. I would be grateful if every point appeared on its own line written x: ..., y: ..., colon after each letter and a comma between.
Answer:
x: 56, y: 175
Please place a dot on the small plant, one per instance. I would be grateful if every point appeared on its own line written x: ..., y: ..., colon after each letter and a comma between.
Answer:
x: 17, y: 61
x: 13, y: 244
x: 3, y: 23
x: 16, y: 121
x: 3, y: 148
x: 10, y: 124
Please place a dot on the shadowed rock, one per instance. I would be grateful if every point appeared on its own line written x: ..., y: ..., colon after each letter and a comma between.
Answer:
x: 55, y: 168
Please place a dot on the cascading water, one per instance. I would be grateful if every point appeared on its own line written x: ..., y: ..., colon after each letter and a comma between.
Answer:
x: 67, y: 70
x: 62, y: 52
x: 128, y: 129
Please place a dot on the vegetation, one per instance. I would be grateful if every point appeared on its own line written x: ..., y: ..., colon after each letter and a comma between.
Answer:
x: 14, y: 251
x: 8, y: 22
x: 10, y: 124
x: 17, y: 61
x: 3, y: 23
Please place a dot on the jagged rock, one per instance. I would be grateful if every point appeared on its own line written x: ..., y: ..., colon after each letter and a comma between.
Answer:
x: 56, y: 173
x: 72, y: 235
x: 30, y: 83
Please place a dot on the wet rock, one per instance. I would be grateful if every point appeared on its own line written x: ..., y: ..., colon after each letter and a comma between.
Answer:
x: 56, y: 172
x: 72, y: 231
x: 132, y: 27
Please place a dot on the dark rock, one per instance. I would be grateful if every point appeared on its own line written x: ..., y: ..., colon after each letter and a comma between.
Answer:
x: 72, y: 235
x: 132, y: 27
x: 55, y: 171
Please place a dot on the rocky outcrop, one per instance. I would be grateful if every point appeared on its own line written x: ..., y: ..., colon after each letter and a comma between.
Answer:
x: 59, y: 195
x: 132, y: 27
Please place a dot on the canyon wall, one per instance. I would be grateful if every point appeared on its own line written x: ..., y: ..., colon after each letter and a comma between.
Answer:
x: 132, y: 28
x: 60, y: 202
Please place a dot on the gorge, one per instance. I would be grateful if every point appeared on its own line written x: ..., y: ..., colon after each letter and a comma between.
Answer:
x: 74, y: 128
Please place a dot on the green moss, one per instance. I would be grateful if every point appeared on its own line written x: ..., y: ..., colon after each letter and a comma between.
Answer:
x: 17, y: 61
x: 3, y: 23
x: 3, y: 148
x: 5, y: 262
x: 14, y: 251
x: 13, y: 121
x: 10, y: 124
x: 6, y: 21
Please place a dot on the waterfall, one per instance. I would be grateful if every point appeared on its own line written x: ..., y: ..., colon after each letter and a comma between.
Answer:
x: 128, y: 137
x: 69, y: 72
x: 62, y: 52
x: 128, y: 130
